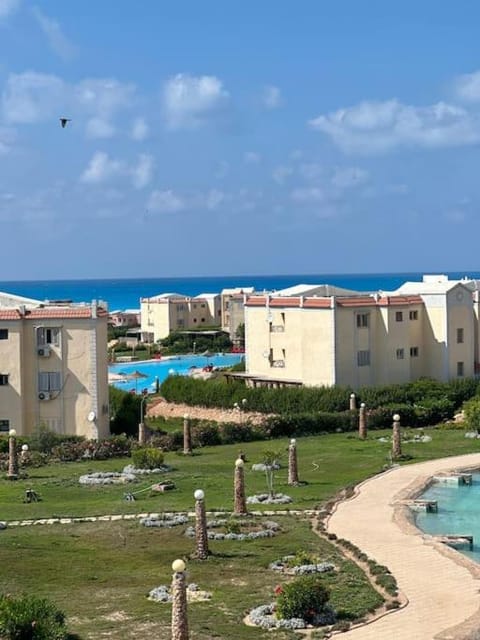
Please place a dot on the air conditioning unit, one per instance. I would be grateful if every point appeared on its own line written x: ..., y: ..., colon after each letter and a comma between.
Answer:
x: 44, y: 395
x: 44, y: 351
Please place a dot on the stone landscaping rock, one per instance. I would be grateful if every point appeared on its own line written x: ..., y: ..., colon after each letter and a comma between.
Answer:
x: 164, y: 522
x: 3, y: 525
x: 109, y: 477
x: 300, y: 569
x: 194, y: 594
x: 263, y: 467
x: 131, y: 470
x: 265, y: 498
x: 264, y: 617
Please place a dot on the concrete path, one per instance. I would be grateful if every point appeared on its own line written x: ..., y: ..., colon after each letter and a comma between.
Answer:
x: 439, y: 583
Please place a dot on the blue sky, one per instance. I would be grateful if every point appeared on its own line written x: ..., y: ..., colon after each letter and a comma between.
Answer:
x: 238, y: 138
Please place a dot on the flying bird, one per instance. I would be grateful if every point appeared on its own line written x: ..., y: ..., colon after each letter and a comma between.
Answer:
x: 63, y: 122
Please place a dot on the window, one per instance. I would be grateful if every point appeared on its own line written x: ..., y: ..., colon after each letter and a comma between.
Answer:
x: 3, y: 334
x: 203, y: 306
x: 49, y: 381
x: 180, y: 307
x: 459, y: 336
x: 414, y: 352
x: 194, y: 319
x: 399, y: 316
x: 400, y: 354
x: 203, y: 320
x: 180, y: 322
x: 5, y: 426
x: 282, y: 315
x: 363, y: 358
x: 413, y: 315
x: 48, y: 335
x: 363, y: 320
x: 460, y: 369
x: 3, y: 379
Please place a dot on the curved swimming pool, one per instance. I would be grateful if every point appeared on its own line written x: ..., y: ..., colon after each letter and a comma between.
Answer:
x: 161, y: 369
x: 458, y: 512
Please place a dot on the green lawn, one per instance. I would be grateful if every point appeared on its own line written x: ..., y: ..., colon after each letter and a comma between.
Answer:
x: 100, y: 573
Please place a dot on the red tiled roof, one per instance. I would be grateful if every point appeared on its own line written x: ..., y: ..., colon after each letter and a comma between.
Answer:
x: 325, y: 302
x: 46, y: 313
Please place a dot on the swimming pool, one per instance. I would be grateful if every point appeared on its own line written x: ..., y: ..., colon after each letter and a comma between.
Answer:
x: 458, y: 512
x: 161, y: 369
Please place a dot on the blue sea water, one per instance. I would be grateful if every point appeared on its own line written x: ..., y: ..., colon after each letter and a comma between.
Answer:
x: 126, y: 293
x: 458, y: 513
x: 161, y: 369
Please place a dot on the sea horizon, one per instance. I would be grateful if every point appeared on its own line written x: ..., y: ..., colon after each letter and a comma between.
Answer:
x: 125, y: 293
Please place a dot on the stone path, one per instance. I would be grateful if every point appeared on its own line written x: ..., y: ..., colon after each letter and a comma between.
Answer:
x: 309, y: 513
x: 441, y: 585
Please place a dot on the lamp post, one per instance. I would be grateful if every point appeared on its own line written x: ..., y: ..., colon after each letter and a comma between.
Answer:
x: 179, y: 601
x: 362, y: 422
x: 24, y: 452
x: 187, y: 436
x: 240, y: 504
x: 353, y: 402
x: 141, y: 426
x: 292, y: 463
x: 12, y: 473
x: 201, y: 536
x: 396, y: 437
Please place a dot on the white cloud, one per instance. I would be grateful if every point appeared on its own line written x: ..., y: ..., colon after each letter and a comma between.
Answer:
x: 142, y: 173
x: 191, y: 101
x: 102, y: 168
x: 99, y: 128
x: 271, y: 97
x: 378, y: 127
x: 348, y: 177
x: 139, y: 130
x: 281, y: 173
x: 308, y: 195
x: 52, y: 30
x: 165, y: 202
x: 214, y: 198
x: 251, y: 157
x: 467, y: 87
x: 7, y: 8
x: 31, y: 97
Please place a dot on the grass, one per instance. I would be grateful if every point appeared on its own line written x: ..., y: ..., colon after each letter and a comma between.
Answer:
x: 100, y: 573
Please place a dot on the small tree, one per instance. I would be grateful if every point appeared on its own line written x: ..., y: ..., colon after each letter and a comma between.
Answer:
x: 270, y: 459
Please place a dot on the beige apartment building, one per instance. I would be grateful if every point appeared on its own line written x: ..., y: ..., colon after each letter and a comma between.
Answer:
x: 428, y: 328
x: 167, y: 312
x: 53, y: 367
x: 233, y: 308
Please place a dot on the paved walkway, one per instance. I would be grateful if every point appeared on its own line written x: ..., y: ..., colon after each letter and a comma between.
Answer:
x: 439, y: 583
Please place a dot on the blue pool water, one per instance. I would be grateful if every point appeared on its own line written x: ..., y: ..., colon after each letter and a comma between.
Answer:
x: 458, y: 513
x: 161, y: 369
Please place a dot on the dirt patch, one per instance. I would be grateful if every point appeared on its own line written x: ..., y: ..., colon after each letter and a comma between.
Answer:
x: 172, y: 410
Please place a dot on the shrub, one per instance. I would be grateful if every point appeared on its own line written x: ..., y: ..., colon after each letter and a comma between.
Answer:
x: 205, y: 434
x: 172, y: 441
x: 125, y: 409
x: 472, y: 414
x: 30, y: 618
x: 302, y: 598
x: 147, y: 458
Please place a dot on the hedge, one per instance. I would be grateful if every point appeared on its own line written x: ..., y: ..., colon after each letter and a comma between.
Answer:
x: 290, y: 400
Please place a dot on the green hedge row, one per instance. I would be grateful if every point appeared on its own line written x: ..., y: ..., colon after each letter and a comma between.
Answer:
x: 290, y: 400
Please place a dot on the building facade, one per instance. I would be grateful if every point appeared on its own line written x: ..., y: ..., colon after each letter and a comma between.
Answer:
x: 427, y: 329
x: 53, y: 367
x: 167, y: 312
x: 233, y: 309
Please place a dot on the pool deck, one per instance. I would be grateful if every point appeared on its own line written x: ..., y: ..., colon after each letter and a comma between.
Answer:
x: 442, y: 586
